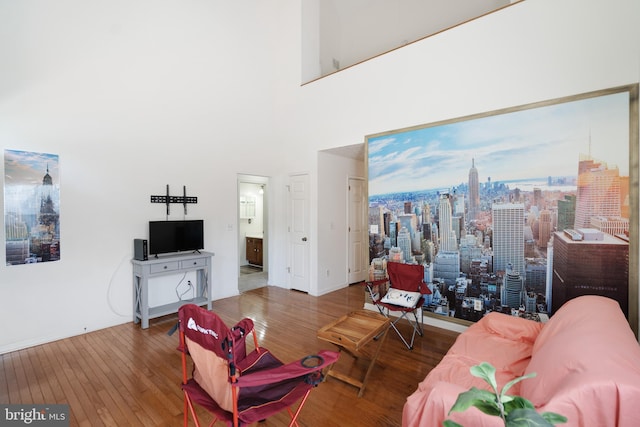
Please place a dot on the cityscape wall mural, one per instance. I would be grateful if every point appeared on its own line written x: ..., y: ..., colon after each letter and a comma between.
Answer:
x: 31, y: 207
x: 517, y: 210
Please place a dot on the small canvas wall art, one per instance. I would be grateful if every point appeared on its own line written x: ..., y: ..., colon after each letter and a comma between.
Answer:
x: 31, y: 207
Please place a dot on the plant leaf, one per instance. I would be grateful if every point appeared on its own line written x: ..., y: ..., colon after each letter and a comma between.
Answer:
x: 510, y: 384
x: 554, y: 418
x: 487, y: 372
x: 506, y: 398
x: 489, y: 408
x: 449, y: 423
x: 517, y: 402
x: 474, y: 397
x: 526, y: 417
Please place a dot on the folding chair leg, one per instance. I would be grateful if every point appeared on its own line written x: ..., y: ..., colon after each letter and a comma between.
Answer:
x: 187, y: 402
x: 409, y: 346
x: 294, y: 417
x: 415, y: 325
x: 185, y: 411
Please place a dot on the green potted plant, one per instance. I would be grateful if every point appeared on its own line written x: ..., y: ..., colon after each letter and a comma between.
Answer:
x: 515, y: 411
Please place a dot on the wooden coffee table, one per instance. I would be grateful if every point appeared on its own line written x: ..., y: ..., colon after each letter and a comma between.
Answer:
x: 351, y: 333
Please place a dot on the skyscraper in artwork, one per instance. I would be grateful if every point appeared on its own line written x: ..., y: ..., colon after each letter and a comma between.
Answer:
x: 545, y: 228
x: 404, y: 243
x: 566, y: 212
x: 598, y: 192
x: 474, y: 192
x: 590, y: 262
x: 508, y: 236
x: 448, y: 240
x: 512, y: 288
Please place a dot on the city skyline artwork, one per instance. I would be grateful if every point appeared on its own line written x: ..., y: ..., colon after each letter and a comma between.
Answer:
x: 480, y: 201
x: 31, y: 207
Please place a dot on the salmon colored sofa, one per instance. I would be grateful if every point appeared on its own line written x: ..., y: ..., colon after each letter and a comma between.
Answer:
x: 586, y: 359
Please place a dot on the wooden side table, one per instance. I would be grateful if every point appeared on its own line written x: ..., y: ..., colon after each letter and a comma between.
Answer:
x: 351, y: 333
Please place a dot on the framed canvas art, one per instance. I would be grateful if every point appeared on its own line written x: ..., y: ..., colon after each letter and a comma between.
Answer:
x: 31, y: 207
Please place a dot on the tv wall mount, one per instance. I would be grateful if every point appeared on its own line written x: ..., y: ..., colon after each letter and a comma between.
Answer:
x: 167, y: 200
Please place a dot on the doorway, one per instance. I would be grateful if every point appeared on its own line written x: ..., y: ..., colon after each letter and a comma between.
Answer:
x: 252, y: 232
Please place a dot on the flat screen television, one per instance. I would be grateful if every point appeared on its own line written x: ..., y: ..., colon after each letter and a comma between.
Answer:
x: 175, y: 236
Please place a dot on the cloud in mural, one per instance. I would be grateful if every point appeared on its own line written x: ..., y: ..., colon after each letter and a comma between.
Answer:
x: 531, y: 143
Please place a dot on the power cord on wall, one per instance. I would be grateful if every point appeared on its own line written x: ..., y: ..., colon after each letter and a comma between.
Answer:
x: 127, y: 257
x: 110, y: 287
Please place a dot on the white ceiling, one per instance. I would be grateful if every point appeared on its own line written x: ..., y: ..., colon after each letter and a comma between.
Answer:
x: 352, y: 31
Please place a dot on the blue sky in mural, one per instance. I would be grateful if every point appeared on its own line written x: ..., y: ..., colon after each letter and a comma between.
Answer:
x: 528, y: 144
x: 28, y: 168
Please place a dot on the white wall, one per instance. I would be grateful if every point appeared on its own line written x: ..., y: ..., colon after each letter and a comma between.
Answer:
x: 132, y: 96
x: 136, y: 95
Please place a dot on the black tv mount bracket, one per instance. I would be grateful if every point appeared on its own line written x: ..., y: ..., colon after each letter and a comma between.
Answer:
x: 167, y: 200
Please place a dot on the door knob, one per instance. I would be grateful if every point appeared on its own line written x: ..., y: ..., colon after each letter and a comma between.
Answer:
x: 304, y: 239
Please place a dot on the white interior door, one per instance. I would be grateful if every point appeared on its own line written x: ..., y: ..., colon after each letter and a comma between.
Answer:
x: 299, y: 232
x: 357, y: 241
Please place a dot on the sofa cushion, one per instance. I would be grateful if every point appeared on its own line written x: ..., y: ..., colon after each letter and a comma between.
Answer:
x: 502, y: 340
x: 512, y: 328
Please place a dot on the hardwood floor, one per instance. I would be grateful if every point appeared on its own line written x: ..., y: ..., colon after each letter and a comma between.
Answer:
x: 126, y: 376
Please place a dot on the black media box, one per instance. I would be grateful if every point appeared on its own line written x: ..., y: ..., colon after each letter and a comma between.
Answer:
x: 140, y: 249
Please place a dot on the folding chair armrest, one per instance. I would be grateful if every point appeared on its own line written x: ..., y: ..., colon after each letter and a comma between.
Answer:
x: 244, y: 326
x: 424, y: 289
x: 374, y: 282
x: 284, y: 372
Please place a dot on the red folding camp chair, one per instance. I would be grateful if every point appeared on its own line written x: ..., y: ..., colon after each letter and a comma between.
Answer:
x: 237, y: 387
x: 402, y: 293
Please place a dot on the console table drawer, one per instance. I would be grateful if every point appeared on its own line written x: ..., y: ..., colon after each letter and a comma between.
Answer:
x: 198, y: 262
x: 167, y: 266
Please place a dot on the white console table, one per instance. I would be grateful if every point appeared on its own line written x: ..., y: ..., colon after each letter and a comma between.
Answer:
x: 166, y: 265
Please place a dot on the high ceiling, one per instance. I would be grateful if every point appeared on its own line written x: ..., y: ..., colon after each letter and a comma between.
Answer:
x: 351, y: 31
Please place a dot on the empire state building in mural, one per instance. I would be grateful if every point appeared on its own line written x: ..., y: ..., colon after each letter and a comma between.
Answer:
x: 32, y: 206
